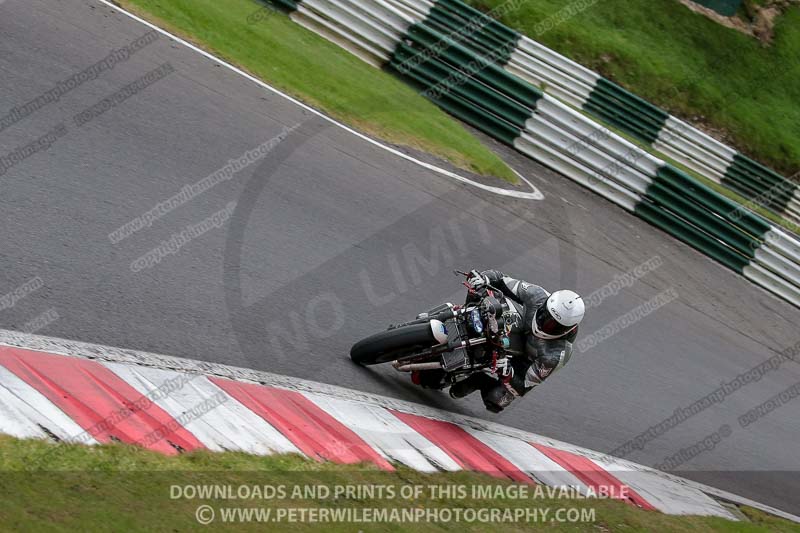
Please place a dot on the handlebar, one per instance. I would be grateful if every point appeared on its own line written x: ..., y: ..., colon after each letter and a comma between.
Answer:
x: 468, y: 274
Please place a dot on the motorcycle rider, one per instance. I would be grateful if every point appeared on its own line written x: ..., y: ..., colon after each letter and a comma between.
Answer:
x: 540, y: 340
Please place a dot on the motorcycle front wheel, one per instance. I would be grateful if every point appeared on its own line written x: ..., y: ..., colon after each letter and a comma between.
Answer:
x: 392, y: 344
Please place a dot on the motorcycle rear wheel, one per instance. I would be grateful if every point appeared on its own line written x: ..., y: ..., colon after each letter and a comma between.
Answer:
x: 392, y: 344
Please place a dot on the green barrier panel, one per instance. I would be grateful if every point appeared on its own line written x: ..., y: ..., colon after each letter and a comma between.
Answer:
x: 473, y: 32
x: 290, y: 5
x: 641, y: 122
x: 490, y: 100
x: 477, y: 42
x: 626, y: 111
x: 619, y: 119
x: 758, y: 197
x: 745, y: 189
x: 470, y: 14
x: 711, y: 200
x: 425, y: 76
x: 755, y: 176
x: 692, y: 236
x: 696, y: 215
x: 758, y: 182
x: 779, y: 193
x: 472, y: 115
x: 775, y: 197
x: 644, y: 109
x: 645, y: 130
x: 426, y: 38
x: 754, y: 167
x: 768, y: 186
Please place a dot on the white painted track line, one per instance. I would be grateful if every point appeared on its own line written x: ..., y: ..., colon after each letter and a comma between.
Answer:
x: 534, y: 195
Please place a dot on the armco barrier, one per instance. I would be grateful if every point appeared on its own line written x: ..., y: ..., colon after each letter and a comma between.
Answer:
x: 580, y: 87
x: 573, y: 84
x: 646, y: 122
x: 480, y: 71
x: 626, y: 111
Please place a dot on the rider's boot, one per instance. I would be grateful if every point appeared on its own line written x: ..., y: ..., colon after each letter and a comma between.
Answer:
x: 497, y: 398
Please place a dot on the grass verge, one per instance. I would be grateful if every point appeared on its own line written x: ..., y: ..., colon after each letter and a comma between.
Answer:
x: 687, y: 64
x: 59, y: 487
x: 273, y: 48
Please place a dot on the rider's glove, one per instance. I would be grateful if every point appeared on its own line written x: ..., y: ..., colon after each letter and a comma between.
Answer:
x: 477, y: 281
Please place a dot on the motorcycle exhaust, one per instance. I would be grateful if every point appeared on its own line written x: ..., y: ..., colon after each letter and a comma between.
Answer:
x: 410, y: 367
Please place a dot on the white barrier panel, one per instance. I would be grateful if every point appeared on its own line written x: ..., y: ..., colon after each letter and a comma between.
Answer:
x: 784, y: 243
x: 555, y: 90
x: 695, y: 136
x: 598, y: 135
x: 600, y: 162
x: 385, y: 13
x: 763, y: 277
x: 416, y: 9
x: 535, y: 69
x: 706, y: 161
x: 374, y: 29
x: 689, y: 162
x: 778, y: 264
x: 577, y: 172
x: 325, y: 29
x: 572, y: 69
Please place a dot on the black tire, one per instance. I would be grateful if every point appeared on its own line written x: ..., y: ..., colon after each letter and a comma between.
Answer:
x: 389, y: 345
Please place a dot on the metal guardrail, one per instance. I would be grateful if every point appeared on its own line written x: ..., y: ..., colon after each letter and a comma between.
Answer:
x: 487, y: 75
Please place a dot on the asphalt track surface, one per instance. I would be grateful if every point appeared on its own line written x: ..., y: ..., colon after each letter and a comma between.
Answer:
x: 332, y: 238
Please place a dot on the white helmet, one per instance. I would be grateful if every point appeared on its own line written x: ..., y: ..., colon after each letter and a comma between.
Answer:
x: 560, y: 314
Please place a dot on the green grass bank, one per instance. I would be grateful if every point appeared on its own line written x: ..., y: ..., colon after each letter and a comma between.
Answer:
x: 117, y: 487
x: 734, y: 85
x: 273, y: 48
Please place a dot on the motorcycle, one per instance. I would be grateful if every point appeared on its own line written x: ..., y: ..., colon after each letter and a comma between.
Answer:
x: 453, y: 341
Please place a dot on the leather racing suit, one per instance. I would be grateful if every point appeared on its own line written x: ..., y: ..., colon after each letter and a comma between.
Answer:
x: 533, y: 359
